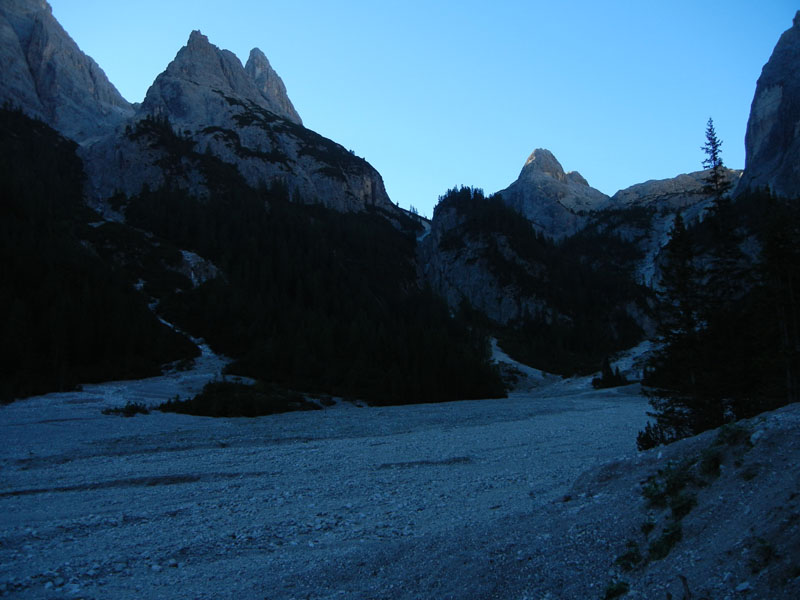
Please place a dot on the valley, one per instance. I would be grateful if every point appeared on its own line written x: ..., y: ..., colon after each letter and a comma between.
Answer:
x: 347, y: 501
x: 450, y: 436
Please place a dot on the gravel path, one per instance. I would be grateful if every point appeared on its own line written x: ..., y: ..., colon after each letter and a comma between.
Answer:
x: 399, y: 502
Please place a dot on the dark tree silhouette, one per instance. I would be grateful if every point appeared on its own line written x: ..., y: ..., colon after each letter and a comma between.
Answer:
x: 715, y: 182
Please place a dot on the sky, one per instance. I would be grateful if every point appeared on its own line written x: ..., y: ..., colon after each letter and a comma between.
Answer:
x: 437, y: 94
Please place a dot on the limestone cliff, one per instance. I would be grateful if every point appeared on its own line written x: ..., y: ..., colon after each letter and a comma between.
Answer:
x: 271, y: 86
x: 644, y: 213
x: 772, y: 141
x: 49, y: 77
x: 240, y: 115
x: 461, y: 267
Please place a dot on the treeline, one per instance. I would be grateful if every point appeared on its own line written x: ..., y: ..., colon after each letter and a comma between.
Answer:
x: 729, y: 326
x: 584, y: 281
x: 68, y: 316
x: 312, y: 299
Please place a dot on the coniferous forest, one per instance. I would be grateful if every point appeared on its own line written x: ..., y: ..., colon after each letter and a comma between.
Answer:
x: 317, y: 301
x: 728, y: 316
x: 585, y: 281
x: 69, y: 317
x: 307, y: 298
x: 729, y: 321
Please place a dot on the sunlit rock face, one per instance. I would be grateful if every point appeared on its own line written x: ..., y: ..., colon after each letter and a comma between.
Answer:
x: 556, y: 203
x: 270, y: 85
x: 205, y: 104
x: 193, y: 86
x: 240, y: 115
x: 772, y: 142
x: 674, y: 194
x: 46, y: 74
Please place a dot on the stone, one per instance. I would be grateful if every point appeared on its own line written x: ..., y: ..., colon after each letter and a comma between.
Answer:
x: 556, y: 203
x: 465, y: 273
x: 242, y: 116
x: 271, y: 86
x: 661, y: 199
x: 49, y: 77
x: 772, y: 140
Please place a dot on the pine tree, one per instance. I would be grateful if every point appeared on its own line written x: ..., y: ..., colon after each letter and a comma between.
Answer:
x: 725, y: 276
x: 715, y: 182
x: 673, y: 376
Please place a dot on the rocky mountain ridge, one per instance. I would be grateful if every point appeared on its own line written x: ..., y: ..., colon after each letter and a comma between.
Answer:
x: 208, y: 119
x: 238, y: 114
x: 213, y: 104
x: 181, y: 91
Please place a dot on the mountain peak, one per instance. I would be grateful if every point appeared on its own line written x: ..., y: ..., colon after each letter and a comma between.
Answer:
x: 258, y: 58
x: 553, y: 201
x: 542, y: 160
x: 201, y: 68
x: 270, y: 86
x: 196, y: 37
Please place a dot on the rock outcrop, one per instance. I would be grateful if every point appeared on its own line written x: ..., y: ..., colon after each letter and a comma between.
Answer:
x: 772, y: 141
x: 644, y: 213
x: 465, y: 271
x: 271, y: 86
x: 49, y: 77
x: 206, y: 103
x: 193, y: 88
x: 556, y: 203
x: 675, y: 194
x: 213, y: 105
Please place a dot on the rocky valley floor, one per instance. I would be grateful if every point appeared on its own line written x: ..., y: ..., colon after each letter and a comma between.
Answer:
x: 533, y: 496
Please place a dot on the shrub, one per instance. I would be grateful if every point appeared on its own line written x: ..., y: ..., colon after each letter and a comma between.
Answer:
x: 131, y: 409
x: 661, y: 547
x: 682, y: 504
x: 615, y: 589
x: 631, y: 558
x: 647, y: 527
x: 710, y: 461
x: 231, y: 399
x: 609, y: 377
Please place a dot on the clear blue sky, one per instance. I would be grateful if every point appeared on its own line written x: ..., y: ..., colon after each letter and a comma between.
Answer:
x: 437, y: 94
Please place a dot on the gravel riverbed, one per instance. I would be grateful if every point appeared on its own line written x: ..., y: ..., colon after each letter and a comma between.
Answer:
x: 418, y: 501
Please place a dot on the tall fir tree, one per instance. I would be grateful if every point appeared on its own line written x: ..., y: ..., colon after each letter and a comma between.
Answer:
x: 672, y: 380
x: 726, y: 274
x: 715, y: 182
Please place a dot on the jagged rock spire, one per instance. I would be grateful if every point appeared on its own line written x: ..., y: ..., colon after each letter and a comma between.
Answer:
x: 201, y: 68
x: 270, y: 85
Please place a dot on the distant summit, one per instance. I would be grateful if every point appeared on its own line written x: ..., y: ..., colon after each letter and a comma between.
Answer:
x: 555, y: 202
